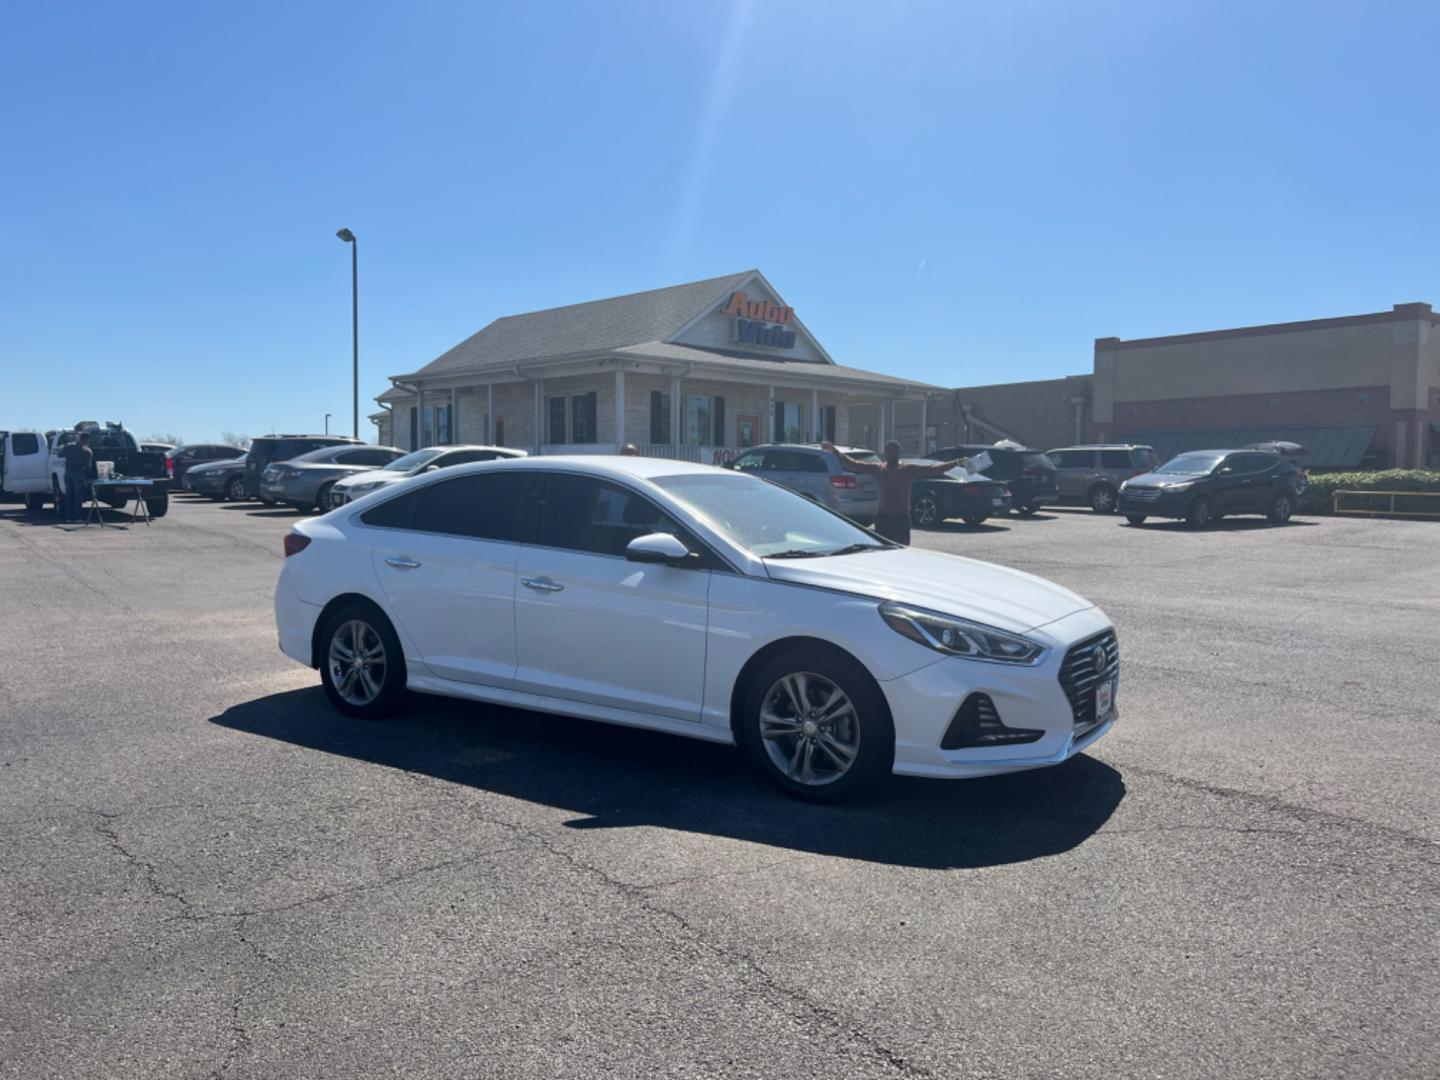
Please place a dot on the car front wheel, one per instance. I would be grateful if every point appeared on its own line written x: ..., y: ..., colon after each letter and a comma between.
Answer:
x: 975, y: 519
x: 1200, y: 513
x: 817, y: 727
x: 1135, y: 519
x: 361, y: 665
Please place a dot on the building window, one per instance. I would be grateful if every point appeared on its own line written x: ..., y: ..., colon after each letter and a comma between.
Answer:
x: 746, y: 430
x: 556, y: 434
x: 440, y: 426
x: 583, y: 408
x: 791, y: 422
x: 659, y: 417
x: 828, y: 423
x: 704, y: 420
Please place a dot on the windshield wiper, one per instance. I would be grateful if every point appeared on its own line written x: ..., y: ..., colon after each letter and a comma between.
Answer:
x: 796, y: 553
x: 851, y: 549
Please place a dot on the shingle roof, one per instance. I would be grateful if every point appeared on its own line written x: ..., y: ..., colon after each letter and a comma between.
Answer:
x: 590, y: 327
x: 662, y: 350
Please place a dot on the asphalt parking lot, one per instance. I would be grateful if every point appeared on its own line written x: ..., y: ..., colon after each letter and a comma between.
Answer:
x: 207, y: 872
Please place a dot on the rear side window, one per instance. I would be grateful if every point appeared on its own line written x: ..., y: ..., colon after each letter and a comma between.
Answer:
x: 583, y: 514
x: 24, y: 443
x: 1037, y: 461
x: 793, y: 461
x: 396, y: 513
x: 464, y: 457
x: 482, y: 506
x: 366, y: 456
x: 1072, y: 459
x: 1115, y: 459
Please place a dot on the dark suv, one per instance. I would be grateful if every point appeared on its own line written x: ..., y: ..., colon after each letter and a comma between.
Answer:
x: 1028, y: 474
x: 1205, y: 485
x: 272, y: 448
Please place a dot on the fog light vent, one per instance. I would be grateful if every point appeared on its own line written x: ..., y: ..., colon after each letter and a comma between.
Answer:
x: 977, y: 723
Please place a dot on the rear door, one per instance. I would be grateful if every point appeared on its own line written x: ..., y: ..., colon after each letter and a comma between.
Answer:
x: 445, y: 555
x: 591, y: 626
x: 1233, y: 488
x: 1072, y: 468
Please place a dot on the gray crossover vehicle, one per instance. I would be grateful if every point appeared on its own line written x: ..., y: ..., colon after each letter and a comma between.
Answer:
x: 412, y: 464
x: 817, y: 475
x: 1091, y: 475
x: 305, y: 482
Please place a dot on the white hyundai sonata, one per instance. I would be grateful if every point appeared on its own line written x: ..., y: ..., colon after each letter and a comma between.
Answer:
x: 700, y: 602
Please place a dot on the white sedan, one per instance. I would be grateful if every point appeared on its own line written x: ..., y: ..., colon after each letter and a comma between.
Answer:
x: 700, y: 602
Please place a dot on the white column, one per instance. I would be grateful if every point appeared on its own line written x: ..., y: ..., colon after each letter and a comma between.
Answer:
x: 539, y: 414
x: 619, y: 407
x: 420, y: 415
x: 490, y: 415
x: 676, y: 412
x: 815, y: 424
x: 770, y: 414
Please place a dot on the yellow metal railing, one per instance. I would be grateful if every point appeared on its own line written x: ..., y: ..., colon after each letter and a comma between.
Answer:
x: 1379, y: 496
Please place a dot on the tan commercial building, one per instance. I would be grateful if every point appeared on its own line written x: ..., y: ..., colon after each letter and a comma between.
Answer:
x: 694, y: 371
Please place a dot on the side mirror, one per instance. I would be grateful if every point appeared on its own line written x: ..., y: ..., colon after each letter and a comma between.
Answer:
x: 662, y: 548
x: 1224, y: 470
x: 430, y: 468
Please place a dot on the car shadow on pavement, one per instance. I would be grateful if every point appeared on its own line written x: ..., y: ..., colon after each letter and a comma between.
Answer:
x: 115, y: 519
x: 961, y: 527
x: 1229, y: 524
x: 614, y: 777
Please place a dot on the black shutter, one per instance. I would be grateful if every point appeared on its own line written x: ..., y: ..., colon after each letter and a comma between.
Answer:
x: 830, y: 422
x: 657, y: 418
x: 719, y: 421
x: 779, y: 422
x: 414, y: 428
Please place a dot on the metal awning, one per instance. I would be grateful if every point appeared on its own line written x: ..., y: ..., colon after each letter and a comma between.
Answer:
x: 1325, y: 447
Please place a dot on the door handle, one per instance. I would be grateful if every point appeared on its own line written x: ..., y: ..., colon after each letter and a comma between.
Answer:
x: 541, y: 584
x: 402, y: 563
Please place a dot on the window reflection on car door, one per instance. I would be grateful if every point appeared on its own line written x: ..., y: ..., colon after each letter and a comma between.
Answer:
x: 592, y: 626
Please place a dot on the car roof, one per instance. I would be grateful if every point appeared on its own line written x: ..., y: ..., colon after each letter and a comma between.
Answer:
x: 1102, y: 446
x: 615, y: 466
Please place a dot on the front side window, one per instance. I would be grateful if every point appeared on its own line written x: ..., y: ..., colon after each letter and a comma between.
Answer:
x: 1191, y: 465
x: 481, y: 506
x: 24, y: 443
x: 750, y: 462
x: 579, y: 513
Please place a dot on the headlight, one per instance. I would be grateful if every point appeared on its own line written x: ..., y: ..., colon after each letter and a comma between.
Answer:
x: 371, y: 486
x: 960, y: 637
x: 1183, y: 485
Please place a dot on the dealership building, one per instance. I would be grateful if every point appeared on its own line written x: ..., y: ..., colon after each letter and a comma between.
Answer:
x: 693, y: 371
x: 1359, y: 390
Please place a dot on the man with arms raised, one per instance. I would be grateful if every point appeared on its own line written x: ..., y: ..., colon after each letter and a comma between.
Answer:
x: 893, y: 479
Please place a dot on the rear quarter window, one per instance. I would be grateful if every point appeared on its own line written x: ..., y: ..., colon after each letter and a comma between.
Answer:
x: 24, y: 443
x: 1115, y: 459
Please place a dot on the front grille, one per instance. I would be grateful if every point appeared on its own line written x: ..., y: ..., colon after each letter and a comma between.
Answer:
x: 1078, y: 677
x: 1142, y: 494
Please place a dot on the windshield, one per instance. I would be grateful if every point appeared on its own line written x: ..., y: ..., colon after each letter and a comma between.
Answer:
x: 415, y: 460
x: 764, y: 519
x: 1190, y: 465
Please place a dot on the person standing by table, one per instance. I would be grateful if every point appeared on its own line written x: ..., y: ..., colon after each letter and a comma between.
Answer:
x: 79, y: 468
x: 893, y: 481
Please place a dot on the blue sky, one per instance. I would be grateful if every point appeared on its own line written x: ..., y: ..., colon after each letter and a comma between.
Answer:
x: 957, y: 192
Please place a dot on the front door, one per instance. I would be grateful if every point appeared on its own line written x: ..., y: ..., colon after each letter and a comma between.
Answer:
x: 25, y: 464
x: 448, y: 571
x: 593, y: 627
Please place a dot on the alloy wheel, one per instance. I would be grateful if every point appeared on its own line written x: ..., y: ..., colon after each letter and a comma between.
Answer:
x: 1102, y: 500
x: 235, y: 490
x: 357, y: 662
x: 809, y: 728
x: 925, y: 511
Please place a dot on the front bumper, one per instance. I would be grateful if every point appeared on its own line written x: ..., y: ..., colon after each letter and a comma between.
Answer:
x: 924, y: 702
x: 1172, y: 504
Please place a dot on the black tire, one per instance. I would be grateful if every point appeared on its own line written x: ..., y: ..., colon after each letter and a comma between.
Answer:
x: 34, y: 503
x: 235, y: 489
x: 1281, y: 507
x: 322, y: 498
x: 868, y: 720
x: 1103, y: 499
x: 1200, y: 513
x: 158, y: 505
x: 57, y: 499
x: 392, y: 676
x: 925, y: 510
x: 302, y: 507
x: 976, y: 519
x: 1135, y: 519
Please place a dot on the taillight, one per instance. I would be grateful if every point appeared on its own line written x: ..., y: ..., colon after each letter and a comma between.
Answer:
x: 844, y: 480
x: 295, y: 543
x: 169, y: 465
x: 972, y: 489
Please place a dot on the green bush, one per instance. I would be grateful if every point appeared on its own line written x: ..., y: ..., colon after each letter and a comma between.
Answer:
x: 1317, y: 498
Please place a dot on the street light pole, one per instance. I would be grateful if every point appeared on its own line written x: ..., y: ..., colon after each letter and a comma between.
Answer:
x: 327, y: 423
x: 349, y: 238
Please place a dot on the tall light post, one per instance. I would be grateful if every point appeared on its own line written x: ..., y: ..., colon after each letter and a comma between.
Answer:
x: 327, y: 422
x: 349, y: 238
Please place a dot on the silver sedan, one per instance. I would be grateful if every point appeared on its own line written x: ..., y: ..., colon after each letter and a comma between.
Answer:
x: 304, y: 482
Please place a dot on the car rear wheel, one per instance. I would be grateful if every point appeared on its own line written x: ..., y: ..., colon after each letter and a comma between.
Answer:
x: 323, y: 502
x: 817, y: 727
x: 1200, y: 513
x: 1102, y: 499
x: 361, y: 665
x: 235, y: 489
x: 1028, y: 510
x: 924, y: 510
x: 1280, y: 509
x: 1135, y: 519
x: 158, y: 505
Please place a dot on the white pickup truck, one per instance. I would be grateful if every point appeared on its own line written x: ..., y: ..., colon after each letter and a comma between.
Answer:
x: 32, y: 468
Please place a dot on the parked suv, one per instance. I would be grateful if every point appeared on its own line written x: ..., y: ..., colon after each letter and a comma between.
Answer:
x: 817, y: 475
x: 1026, y: 472
x: 1092, y: 475
x: 272, y: 448
x: 1205, y: 485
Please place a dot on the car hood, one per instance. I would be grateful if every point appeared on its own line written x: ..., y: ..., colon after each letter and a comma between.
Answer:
x: 384, y: 476
x: 967, y: 588
x: 1151, y: 479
